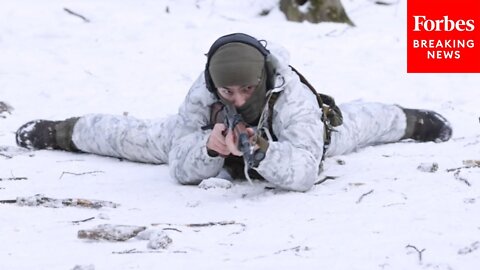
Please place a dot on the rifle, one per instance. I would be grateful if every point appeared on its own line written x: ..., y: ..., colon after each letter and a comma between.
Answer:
x: 234, y: 121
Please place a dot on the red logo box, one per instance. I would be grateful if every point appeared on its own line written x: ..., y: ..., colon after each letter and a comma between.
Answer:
x: 443, y: 36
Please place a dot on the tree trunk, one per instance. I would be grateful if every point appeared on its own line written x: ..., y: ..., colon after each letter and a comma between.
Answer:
x: 315, y: 11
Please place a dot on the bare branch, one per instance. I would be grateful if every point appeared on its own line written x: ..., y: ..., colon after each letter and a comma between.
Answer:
x: 127, y: 251
x: 76, y: 14
x: 418, y: 251
x: 392, y: 204
x: 296, y: 249
x: 40, y: 200
x: 5, y: 155
x: 463, y: 167
x: 77, y: 174
x: 325, y: 179
x: 466, y: 250
x: 207, y: 224
x: 9, y: 151
x: 83, y: 220
x: 13, y: 178
x: 70, y: 160
x: 363, y: 195
x: 467, y: 165
x: 458, y: 177
x: 219, y: 223
x: 171, y: 229
x: 8, y: 201
x: 337, y: 33
x: 386, y: 3
x: 135, y: 251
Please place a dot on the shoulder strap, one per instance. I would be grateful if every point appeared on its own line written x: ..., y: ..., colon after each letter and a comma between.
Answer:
x: 331, y: 114
x: 271, y: 103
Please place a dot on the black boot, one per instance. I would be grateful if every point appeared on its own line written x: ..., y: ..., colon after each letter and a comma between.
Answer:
x: 45, y: 134
x: 424, y: 126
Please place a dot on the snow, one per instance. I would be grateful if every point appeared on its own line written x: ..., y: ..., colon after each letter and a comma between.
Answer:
x: 379, y: 212
x: 215, y: 183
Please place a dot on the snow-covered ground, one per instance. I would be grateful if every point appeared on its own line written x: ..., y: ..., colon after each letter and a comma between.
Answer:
x: 140, y: 57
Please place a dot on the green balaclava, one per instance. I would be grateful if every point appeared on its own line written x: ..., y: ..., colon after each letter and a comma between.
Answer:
x: 241, y: 64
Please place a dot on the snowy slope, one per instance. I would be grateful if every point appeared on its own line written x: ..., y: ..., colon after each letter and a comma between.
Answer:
x: 135, y: 57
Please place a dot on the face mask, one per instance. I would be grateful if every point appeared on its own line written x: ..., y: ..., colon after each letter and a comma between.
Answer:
x: 253, y: 107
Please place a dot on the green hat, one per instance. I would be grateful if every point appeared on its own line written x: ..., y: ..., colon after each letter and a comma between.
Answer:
x: 236, y: 64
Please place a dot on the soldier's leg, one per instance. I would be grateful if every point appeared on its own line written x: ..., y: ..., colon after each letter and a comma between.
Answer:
x: 116, y: 136
x: 375, y: 123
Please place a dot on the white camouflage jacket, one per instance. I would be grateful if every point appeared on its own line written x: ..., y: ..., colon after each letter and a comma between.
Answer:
x: 291, y: 163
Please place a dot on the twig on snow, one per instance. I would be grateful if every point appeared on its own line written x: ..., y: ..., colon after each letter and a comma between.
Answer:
x: 386, y: 3
x: 363, y: 195
x: 171, y: 229
x: 468, y: 164
x: 77, y: 174
x: 336, y: 33
x: 218, y: 223
x: 325, y: 179
x: 392, y: 204
x: 463, y: 167
x: 472, y: 143
x: 420, y: 252
x: 296, y: 249
x: 76, y: 14
x: 70, y: 160
x: 40, y: 200
x: 83, y: 220
x: 5, y: 155
x: 207, y: 224
x: 13, y: 178
x: 8, y: 201
x: 474, y: 246
x: 135, y: 251
x: 458, y: 177
x: 127, y: 251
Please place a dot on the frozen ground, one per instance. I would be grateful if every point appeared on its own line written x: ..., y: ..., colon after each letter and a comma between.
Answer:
x: 380, y: 212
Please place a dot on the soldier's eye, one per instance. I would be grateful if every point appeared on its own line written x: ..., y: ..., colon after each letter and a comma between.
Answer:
x: 226, y: 91
x: 248, y: 89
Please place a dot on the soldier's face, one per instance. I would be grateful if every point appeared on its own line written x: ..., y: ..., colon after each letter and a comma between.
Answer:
x: 236, y: 94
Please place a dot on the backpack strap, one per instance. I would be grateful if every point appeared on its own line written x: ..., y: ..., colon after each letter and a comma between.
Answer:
x: 331, y: 114
x: 271, y: 103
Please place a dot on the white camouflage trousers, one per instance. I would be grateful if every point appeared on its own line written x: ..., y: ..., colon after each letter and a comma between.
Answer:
x: 150, y: 141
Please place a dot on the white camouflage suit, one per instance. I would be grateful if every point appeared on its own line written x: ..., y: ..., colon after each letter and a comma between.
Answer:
x: 292, y: 162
